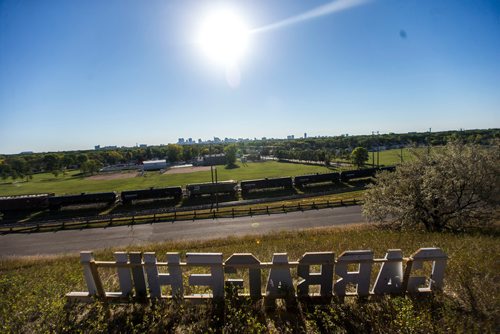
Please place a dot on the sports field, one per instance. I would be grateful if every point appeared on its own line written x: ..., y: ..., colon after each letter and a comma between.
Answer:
x: 391, y: 157
x: 73, y: 183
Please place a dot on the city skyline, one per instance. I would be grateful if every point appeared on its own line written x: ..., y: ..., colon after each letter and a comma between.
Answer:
x: 75, y: 74
x: 228, y: 140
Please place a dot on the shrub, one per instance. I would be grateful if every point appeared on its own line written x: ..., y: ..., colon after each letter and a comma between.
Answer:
x: 451, y: 188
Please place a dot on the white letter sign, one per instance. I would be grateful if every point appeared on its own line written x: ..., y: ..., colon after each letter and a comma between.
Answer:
x: 140, y: 277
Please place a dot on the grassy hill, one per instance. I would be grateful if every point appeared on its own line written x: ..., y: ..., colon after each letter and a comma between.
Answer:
x: 33, y: 291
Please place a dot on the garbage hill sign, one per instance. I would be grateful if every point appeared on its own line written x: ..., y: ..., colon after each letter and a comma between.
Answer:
x: 142, y: 276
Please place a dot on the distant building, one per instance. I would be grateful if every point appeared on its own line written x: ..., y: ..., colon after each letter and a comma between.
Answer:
x: 26, y: 152
x: 289, y: 137
x: 154, y: 164
x: 98, y: 147
x: 305, y: 135
x: 143, y: 145
x: 180, y: 141
x: 211, y: 160
x: 117, y: 167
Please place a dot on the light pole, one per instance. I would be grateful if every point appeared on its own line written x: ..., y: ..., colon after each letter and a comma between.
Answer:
x: 373, y: 149
x: 429, y: 142
x: 378, y: 150
x: 212, y: 174
x: 216, y: 192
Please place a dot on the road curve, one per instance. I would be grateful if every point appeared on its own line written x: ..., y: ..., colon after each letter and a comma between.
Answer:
x: 74, y: 241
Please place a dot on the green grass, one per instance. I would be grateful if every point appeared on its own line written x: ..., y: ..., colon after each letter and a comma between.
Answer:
x: 392, y: 157
x: 33, y: 289
x: 71, y: 183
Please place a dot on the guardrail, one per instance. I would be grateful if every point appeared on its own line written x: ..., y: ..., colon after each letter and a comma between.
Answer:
x: 172, y: 216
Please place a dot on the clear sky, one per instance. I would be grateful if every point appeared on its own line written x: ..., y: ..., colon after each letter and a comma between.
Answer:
x: 74, y: 74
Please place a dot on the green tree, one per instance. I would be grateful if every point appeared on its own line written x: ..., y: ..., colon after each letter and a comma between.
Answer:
x: 187, y: 153
x: 230, y: 151
x: 19, y: 168
x: 265, y: 151
x: 113, y: 157
x: 81, y: 158
x: 359, y: 156
x: 452, y: 188
x: 5, y: 171
x: 174, y: 152
x: 205, y: 151
x: 52, y: 163
x: 90, y: 166
x: 68, y: 160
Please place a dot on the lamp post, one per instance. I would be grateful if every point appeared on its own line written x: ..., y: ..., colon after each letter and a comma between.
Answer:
x: 378, y: 150
x: 212, y: 174
x: 373, y: 149
x: 429, y: 142
x: 216, y: 192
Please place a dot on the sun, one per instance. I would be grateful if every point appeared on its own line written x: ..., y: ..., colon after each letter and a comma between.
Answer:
x: 224, y: 37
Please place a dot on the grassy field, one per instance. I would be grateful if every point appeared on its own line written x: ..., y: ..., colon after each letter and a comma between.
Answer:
x: 391, y: 157
x: 33, y: 291
x: 72, y: 183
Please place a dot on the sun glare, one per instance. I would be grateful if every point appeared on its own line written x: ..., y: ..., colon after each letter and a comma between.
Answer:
x: 224, y: 37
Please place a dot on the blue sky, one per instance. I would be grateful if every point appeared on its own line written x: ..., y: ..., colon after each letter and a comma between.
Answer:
x: 74, y: 74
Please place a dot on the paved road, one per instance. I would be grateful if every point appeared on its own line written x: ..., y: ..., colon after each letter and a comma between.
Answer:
x: 72, y: 242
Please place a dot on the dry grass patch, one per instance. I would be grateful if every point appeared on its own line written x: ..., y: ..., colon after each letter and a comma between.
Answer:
x: 33, y: 290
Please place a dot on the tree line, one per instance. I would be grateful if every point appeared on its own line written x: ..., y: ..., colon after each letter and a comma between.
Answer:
x: 20, y: 166
x: 342, y: 147
x: 322, y: 149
